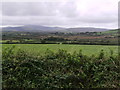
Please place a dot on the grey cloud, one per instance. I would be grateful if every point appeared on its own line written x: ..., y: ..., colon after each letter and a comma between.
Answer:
x: 29, y: 9
x: 56, y: 13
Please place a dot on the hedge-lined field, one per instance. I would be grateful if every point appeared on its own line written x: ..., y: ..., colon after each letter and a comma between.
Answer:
x: 59, y: 69
x: 41, y: 48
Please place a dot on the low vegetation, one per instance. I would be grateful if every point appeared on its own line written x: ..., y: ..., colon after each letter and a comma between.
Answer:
x: 60, y: 70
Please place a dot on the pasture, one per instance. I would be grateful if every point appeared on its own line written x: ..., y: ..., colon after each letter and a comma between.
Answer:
x: 40, y: 49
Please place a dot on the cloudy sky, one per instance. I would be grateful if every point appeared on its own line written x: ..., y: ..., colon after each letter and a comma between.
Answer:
x: 65, y: 13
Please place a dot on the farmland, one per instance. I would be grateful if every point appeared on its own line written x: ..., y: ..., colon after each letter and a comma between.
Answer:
x: 60, y: 60
x: 84, y: 38
x: 41, y: 48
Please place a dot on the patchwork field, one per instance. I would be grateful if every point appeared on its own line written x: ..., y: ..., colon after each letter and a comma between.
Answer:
x: 41, y: 48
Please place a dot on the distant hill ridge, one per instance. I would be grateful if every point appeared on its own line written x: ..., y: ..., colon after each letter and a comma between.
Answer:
x: 39, y: 28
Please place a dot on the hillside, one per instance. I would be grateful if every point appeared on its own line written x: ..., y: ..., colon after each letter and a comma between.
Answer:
x: 39, y: 28
x: 87, y: 29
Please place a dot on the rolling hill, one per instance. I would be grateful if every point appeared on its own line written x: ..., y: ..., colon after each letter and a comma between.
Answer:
x: 39, y: 28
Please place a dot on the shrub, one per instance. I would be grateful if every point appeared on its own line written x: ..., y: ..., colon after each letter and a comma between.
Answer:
x: 59, y: 70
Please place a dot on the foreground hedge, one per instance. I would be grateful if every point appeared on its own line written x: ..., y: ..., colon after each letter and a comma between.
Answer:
x: 60, y: 70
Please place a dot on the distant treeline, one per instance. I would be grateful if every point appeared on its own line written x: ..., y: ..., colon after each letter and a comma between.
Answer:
x: 57, y: 40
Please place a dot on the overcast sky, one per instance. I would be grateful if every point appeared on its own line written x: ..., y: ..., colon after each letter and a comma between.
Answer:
x: 67, y: 13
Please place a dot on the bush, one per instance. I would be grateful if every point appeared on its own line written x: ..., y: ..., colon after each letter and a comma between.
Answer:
x: 59, y: 70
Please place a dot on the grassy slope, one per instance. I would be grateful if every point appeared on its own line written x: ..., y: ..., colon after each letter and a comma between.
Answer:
x: 86, y: 49
x: 110, y: 32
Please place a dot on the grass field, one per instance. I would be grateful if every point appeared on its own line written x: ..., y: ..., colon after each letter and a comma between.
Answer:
x: 86, y: 49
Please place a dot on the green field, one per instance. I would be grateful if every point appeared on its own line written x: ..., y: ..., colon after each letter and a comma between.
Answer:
x: 40, y: 49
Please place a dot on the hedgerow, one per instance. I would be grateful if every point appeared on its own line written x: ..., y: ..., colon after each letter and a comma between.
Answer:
x: 59, y: 70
